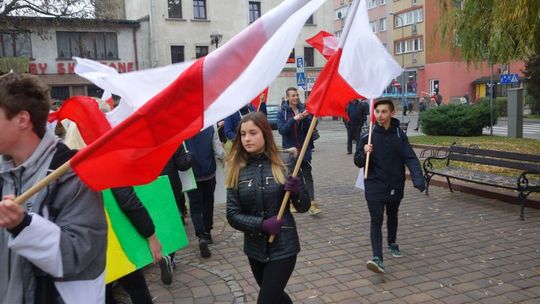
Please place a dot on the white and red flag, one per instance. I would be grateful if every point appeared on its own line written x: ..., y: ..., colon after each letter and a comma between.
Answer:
x: 325, y: 43
x: 360, y: 67
x: 161, y: 107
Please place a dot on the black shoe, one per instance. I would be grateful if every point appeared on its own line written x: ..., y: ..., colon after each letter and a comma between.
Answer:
x: 203, y: 247
x: 166, y: 266
x: 416, y: 129
x: 349, y: 152
x: 208, y: 237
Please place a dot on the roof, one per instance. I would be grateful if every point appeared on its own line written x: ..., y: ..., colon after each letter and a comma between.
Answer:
x: 72, y: 21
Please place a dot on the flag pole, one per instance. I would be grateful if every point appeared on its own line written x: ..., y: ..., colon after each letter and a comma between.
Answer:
x: 296, y: 170
x: 43, y: 183
x: 369, y: 143
x: 371, y: 114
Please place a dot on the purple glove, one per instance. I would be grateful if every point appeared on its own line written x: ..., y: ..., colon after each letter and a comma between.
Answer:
x: 272, y: 225
x: 292, y: 184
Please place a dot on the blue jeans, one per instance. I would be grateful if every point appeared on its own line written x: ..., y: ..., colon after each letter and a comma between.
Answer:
x: 376, y: 212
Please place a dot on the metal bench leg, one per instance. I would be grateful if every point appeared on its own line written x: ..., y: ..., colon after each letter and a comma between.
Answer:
x: 449, y: 184
x: 522, y: 197
x: 428, y: 179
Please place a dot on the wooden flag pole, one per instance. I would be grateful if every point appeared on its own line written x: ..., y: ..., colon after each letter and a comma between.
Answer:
x: 369, y: 143
x: 296, y: 170
x: 43, y: 183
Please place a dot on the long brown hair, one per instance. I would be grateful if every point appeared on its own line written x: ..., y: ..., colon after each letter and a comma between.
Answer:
x: 238, y: 155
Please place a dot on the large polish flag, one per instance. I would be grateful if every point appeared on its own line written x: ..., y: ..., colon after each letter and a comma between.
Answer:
x: 161, y: 107
x: 360, y: 67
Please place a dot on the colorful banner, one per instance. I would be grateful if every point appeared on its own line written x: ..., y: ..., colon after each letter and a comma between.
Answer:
x: 127, y: 249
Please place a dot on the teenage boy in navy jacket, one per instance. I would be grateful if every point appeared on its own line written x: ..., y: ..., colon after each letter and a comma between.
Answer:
x: 390, y: 152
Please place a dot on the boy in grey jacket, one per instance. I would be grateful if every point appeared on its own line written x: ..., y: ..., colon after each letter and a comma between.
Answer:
x: 53, y: 246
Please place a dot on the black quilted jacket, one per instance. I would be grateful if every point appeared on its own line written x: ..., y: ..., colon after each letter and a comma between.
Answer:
x: 257, y: 197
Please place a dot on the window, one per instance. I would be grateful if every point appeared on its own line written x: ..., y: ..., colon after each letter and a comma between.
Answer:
x: 254, y: 11
x: 201, y: 51
x: 15, y: 45
x: 373, y: 25
x: 408, y: 46
x: 175, y: 8
x: 371, y: 4
x: 59, y: 94
x: 309, y: 59
x: 199, y: 9
x: 310, y: 20
x: 410, y: 17
x: 87, y: 44
x: 382, y: 24
x: 177, y: 53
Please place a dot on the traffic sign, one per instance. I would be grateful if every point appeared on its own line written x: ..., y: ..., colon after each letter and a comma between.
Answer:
x: 301, y: 80
x: 509, y: 78
x: 300, y: 75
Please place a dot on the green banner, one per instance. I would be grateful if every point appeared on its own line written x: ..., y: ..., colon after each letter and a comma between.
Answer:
x: 159, y: 200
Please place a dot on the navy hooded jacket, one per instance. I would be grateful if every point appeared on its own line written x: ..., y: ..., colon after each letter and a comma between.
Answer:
x: 386, y: 172
x: 293, y: 132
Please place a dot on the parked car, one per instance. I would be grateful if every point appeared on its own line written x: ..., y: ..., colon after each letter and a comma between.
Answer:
x: 271, y: 114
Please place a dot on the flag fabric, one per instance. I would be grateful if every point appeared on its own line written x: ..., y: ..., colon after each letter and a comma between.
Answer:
x: 325, y: 43
x: 161, y: 107
x: 127, y: 250
x: 85, y: 112
x: 255, y: 102
x: 360, y: 67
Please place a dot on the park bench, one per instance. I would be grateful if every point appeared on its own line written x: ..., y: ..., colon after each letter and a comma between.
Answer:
x: 525, y: 180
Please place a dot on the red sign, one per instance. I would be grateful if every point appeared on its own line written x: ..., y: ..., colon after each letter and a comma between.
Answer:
x: 63, y: 68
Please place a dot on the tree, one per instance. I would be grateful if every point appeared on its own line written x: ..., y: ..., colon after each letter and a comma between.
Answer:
x: 532, y: 72
x: 498, y: 31
x: 55, y: 8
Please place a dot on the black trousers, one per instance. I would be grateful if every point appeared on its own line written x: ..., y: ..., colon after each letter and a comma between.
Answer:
x: 308, y: 178
x: 201, y: 206
x: 376, y: 212
x: 272, y: 277
x: 135, y: 286
x: 353, y: 133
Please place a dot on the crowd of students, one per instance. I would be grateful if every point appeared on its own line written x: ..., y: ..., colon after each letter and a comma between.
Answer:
x: 53, y: 246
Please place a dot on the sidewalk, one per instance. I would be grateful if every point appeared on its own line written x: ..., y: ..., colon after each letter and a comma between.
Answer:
x: 458, y: 248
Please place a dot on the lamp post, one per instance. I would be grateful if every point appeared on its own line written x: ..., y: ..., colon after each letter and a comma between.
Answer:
x: 215, y: 39
x: 403, y: 100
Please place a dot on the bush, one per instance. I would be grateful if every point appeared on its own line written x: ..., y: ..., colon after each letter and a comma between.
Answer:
x: 457, y: 120
x: 501, y: 106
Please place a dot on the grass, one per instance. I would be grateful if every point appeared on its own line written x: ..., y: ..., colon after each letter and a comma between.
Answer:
x: 532, y: 116
x: 499, y: 143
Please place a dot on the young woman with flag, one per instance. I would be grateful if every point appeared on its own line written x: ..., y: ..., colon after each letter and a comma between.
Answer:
x: 256, y: 184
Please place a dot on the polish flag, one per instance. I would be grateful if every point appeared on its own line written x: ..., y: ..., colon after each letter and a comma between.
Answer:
x: 325, y: 43
x: 257, y: 100
x: 162, y: 107
x: 361, y: 67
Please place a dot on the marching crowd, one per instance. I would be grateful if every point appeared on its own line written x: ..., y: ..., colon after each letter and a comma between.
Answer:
x: 53, y: 245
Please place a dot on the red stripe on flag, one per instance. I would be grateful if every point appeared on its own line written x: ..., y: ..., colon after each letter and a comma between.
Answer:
x: 331, y: 93
x: 135, y: 151
x: 317, y: 42
x: 85, y: 112
x: 255, y: 102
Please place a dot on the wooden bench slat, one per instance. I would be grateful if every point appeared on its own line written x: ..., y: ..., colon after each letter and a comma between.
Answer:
x: 494, y: 162
x: 497, y: 154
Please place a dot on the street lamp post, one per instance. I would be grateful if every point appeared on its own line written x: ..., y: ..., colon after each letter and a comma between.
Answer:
x: 215, y: 38
x: 402, y: 82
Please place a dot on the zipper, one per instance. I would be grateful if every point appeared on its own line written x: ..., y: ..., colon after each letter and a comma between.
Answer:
x: 246, y: 181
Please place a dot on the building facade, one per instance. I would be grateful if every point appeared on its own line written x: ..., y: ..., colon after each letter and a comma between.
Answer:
x: 46, y: 47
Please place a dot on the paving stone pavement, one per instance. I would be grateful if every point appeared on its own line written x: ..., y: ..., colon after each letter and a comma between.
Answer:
x: 458, y: 248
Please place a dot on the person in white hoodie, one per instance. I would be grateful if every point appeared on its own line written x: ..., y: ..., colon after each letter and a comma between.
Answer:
x: 53, y: 246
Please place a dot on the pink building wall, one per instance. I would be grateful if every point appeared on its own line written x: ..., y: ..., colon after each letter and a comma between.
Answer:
x: 456, y: 78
